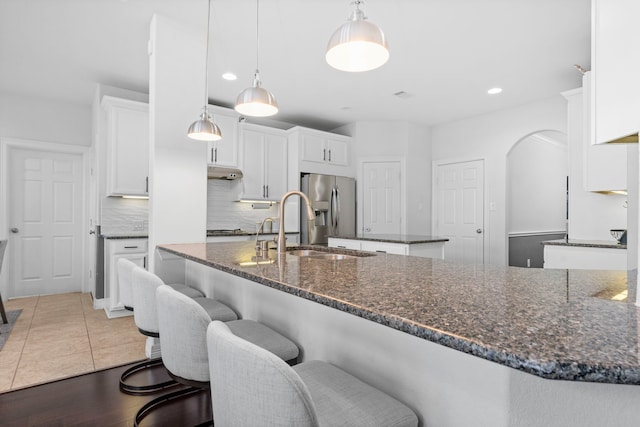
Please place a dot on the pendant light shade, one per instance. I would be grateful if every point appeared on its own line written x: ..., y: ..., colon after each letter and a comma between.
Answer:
x: 256, y: 101
x: 204, y: 129
x: 358, y: 45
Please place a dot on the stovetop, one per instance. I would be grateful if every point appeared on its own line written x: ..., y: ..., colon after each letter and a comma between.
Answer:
x: 226, y: 232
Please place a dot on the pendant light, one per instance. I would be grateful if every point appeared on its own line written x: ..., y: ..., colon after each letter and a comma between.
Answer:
x: 358, y: 45
x: 204, y: 129
x: 256, y: 101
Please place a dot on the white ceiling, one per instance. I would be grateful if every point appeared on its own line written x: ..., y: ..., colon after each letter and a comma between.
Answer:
x: 446, y: 54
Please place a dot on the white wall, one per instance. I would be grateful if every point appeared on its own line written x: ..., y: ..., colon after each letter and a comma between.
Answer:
x: 398, y: 140
x: 44, y: 120
x: 178, y: 165
x: 537, y: 180
x: 490, y: 137
x: 591, y: 215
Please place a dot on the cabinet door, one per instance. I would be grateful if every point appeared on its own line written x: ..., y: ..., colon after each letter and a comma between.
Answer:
x: 276, y: 166
x: 133, y: 249
x: 313, y: 148
x: 337, y: 152
x: 139, y: 259
x: 253, y: 163
x: 615, y: 63
x: 127, y: 147
x: 225, y: 151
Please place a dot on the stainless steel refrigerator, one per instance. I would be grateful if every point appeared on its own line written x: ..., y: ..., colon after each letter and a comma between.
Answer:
x: 333, y: 199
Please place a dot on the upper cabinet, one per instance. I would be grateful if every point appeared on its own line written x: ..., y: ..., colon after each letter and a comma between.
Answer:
x: 324, y: 149
x: 615, y: 85
x: 127, y: 148
x: 605, y: 165
x: 225, y: 151
x: 321, y: 152
x: 264, y: 162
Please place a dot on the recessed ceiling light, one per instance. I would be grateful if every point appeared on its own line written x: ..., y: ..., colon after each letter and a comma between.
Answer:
x: 494, y: 90
x: 229, y: 76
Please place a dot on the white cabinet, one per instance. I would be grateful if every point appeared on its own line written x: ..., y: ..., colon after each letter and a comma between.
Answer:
x: 390, y: 248
x: 615, y: 106
x: 322, y: 148
x: 584, y: 258
x: 127, y: 137
x: 225, y: 151
x: 605, y: 165
x: 425, y: 249
x: 132, y: 249
x: 264, y: 162
x: 320, y: 152
x: 344, y: 243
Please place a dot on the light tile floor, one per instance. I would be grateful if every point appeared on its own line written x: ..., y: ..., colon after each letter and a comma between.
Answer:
x: 58, y: 336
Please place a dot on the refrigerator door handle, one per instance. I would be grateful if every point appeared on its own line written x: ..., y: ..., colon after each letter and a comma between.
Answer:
x: 332, y: 207
x: 337, y: 214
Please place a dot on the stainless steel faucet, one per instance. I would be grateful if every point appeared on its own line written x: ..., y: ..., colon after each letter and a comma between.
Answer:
x: 258, y: 247
x: 282, y: 243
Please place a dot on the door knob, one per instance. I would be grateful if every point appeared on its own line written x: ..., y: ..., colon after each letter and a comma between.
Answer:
x: 479, y: 231
x: 14, y: 230
x: 367, y: 229
x: 92, y: 231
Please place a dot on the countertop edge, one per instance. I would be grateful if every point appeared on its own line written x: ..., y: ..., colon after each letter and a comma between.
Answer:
x: 547, y: 369
x: 393, y: 239
x: 584, y: 244
x: 123, y: 236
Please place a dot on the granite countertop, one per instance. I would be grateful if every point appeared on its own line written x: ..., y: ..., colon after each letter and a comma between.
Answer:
x: 132, y: 235
x: 556, y: 324
x: 394, y: 238
x: 585, y: 243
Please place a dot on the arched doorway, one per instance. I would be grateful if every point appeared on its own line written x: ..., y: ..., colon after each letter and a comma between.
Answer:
x: 537, y: 187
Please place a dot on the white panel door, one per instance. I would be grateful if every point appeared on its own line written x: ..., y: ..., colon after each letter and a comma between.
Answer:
x: 381, y: 198
x: 460, y: 210
x: 46, y: 222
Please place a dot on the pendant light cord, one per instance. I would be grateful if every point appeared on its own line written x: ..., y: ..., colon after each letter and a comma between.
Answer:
x: 206, y: 63
x: 257, y: 35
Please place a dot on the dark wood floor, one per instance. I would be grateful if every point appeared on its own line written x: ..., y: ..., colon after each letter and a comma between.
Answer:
x: 95, y: 400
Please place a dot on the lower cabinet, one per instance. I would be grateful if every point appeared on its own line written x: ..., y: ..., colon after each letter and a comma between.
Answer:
x: 427, y: 250
x: 133, y: 249
x: 584, y: 258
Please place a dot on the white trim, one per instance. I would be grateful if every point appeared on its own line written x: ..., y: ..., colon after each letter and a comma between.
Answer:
x: 403, y: 189
x: 9, y: 143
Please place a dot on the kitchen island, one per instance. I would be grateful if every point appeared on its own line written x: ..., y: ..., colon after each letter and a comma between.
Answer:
x: 460, y: 344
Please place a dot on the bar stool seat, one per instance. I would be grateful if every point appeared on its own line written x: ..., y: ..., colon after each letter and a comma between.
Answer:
x: 252, y: 387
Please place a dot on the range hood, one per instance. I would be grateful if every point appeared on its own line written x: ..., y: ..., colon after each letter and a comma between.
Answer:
x: 217, y: 172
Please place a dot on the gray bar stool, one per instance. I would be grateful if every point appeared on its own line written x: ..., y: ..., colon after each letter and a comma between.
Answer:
x: 141, y: 285
x: 254, y: 388
x: 183, y: 326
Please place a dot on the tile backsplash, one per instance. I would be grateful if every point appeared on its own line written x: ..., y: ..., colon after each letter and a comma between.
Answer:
x: 119, y: 215
x: 224, y: 212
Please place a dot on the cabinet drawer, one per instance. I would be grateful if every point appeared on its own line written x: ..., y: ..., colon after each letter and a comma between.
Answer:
x: 391, y: 248
x: 129, y: 246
